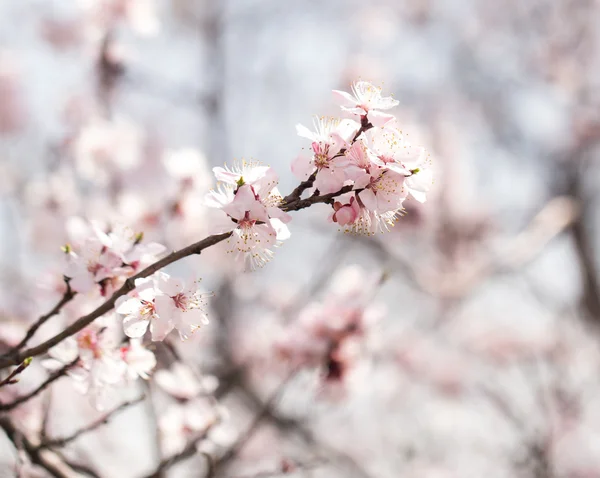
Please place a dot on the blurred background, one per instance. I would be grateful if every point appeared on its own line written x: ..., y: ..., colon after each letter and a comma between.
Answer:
x: 474, y: 340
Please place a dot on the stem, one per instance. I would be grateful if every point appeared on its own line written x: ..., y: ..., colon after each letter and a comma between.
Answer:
x: 65, y: 299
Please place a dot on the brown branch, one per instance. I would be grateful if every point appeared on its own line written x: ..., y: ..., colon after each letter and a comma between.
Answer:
x: 5, y: 407
x: 62, y: 441
x: 65, y: 299
x: 303, y: 186
x: 298, y: 204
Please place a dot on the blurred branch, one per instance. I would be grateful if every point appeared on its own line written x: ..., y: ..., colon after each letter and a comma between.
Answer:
x: 65, y: 299
x: 5, y: 407
x: 555, y: 217
x: 62, y: 441
x: 585, y: 250
x: 189, y: 451
x: 42, y: 459
x: 251, y: 430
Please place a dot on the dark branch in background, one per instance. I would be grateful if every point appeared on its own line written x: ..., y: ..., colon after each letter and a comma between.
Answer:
x: 295, y: 427
x: 86, y: 470
x: 65, y: 299
x: 189, y: 451
x: 62, y: 441
x: 37, y: 456
x: 5, y: 407
x: 223, y: 460
x: 584, y: 248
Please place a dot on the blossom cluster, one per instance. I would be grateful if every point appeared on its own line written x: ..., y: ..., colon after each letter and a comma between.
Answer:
x: 104, y: 260
x: 163, y: 303
x: 248, y: 199
x: 97, y: 360
x: 368, y: 158
x: 326, y: 332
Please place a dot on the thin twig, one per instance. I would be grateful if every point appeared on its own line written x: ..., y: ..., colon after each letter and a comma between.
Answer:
x: 5, y: 407
x: 253, y: 427
x: 65, y: 299
x: 62, y: 441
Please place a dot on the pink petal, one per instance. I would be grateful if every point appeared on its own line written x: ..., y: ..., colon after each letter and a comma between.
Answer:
x: 302, y: 167
x: 135, y: 326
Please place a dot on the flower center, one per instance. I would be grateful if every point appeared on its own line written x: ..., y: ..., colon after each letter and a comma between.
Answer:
x: 181, y: 301
x: 89, y: 341
x: 246, y: 222
x: 147, y: 309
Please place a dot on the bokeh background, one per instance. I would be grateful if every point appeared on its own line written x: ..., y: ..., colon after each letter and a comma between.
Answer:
x: 480, y: 352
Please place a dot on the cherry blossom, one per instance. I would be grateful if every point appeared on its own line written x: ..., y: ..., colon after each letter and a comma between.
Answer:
x: 139, y: 360
x: 184, y: 306
x: 366, y: 99
x: 140, y: 312
x: 164, y: 303
x: 332, y: 135
x: 254, y: 232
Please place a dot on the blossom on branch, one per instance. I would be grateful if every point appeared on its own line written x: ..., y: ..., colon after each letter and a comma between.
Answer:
x: 250, y: 202
x: 163, y: 303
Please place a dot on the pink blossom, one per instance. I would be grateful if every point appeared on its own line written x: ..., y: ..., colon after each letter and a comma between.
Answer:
x: 387, y: 148
x: 366, y: 99
x: 139, y: 360
x: 163, y: 303
x: 330, y: 138
x: 385, y: 191
x: 182, y: 421
x: 99, y: 363
x: 92, y: 265
x: 184, y: 306
x: 345, y: 214
x: 254, y: 233
x: 140, y: 312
